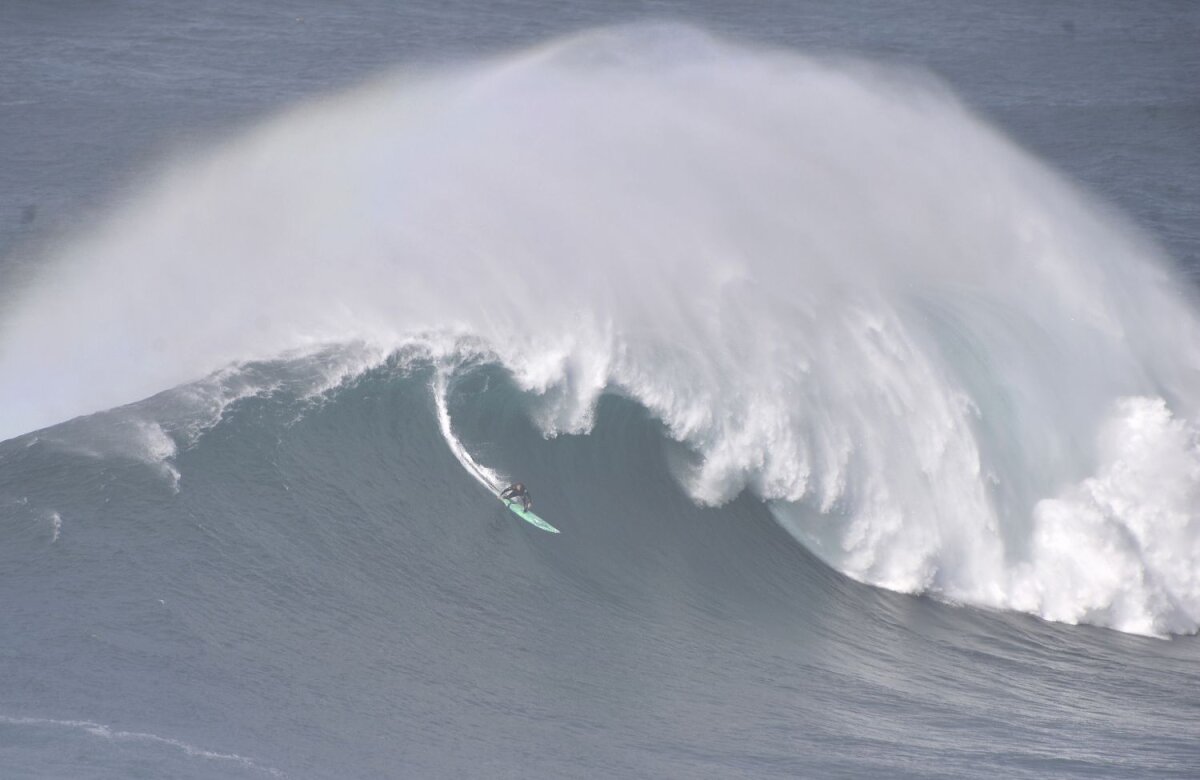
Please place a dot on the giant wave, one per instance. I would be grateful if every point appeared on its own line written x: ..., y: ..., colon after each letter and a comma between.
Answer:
x: 944, y: 369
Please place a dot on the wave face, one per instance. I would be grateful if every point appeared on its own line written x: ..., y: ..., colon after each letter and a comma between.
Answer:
x: 326, y: 592
x: 944, y: 370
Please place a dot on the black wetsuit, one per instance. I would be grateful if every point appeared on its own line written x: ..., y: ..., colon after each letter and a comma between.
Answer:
x: 517, y: 491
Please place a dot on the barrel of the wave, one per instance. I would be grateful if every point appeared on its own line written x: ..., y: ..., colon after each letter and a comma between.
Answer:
x: 517, y: 509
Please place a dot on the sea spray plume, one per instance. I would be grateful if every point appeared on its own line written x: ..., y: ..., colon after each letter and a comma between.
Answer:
x: 840, y: 290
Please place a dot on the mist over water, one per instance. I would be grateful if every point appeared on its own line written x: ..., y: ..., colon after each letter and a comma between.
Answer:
x: 944, y: 368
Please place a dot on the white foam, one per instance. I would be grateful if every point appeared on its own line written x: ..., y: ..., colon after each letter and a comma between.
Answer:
x: 116, y: 735
x: 124, y: 433
x: 839, y: 288
x: 1119, y: 548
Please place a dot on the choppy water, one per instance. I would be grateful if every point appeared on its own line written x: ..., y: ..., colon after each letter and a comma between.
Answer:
x: 870, y: 430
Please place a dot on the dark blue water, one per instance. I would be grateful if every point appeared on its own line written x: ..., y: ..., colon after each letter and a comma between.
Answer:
x: 285, y: 570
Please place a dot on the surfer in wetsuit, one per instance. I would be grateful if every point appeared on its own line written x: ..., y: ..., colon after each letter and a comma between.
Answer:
x: 517, y: 491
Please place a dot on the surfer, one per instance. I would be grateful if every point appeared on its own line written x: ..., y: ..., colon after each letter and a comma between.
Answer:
x: 517, y: 491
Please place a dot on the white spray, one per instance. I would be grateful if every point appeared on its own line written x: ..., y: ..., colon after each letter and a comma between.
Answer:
x: 485, y: 476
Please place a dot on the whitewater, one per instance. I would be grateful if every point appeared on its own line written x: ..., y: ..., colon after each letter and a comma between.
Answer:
x: 945, y: 369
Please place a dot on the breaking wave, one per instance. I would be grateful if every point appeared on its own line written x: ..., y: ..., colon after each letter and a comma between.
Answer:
x: 944, y: 368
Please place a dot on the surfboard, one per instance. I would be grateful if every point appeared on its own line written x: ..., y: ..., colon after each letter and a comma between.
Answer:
x: 528, y: 516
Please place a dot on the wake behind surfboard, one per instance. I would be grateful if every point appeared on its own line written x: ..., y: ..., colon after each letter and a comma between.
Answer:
x: 482, y: 474
x: 528, y: 516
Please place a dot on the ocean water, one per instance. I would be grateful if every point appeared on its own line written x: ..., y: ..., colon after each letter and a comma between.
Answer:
x: 854, y: 349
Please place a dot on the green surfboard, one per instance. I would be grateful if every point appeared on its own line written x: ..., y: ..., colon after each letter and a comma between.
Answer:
x: 528, y: 516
